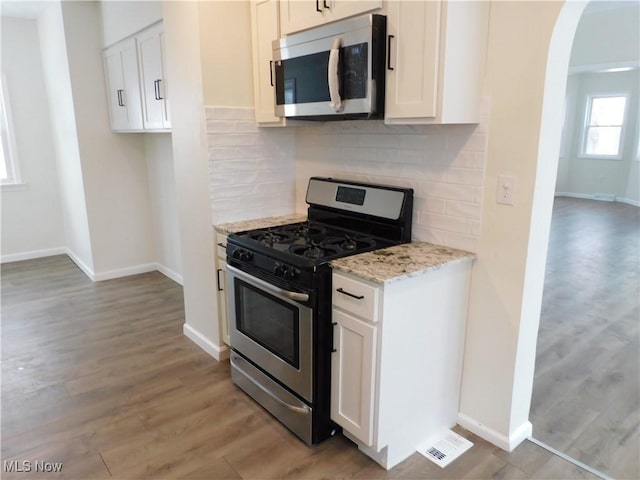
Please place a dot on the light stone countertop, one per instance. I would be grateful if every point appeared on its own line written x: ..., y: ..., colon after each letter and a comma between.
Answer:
x: 234, y: 227
x: 401, y: 261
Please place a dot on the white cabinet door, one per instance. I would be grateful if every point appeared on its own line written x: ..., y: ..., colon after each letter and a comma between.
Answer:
x: 412, y: 74
x: 353, y: 367
x: 155, y: 103
x: 346, y: 8
x: 296, y: 15
x: 265, y: 28
x: 123, y: 87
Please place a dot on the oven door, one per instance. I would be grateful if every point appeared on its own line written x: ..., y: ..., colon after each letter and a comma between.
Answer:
x: 273, y: 328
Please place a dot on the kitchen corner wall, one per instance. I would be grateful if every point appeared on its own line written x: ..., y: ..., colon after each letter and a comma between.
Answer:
x: 443, y: 164
x: 251, y: 169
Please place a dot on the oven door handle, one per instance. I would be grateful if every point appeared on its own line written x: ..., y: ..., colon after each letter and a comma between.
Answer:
x: 295, y: 296
x: 304, y: 409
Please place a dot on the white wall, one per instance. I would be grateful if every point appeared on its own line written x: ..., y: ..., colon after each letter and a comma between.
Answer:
x: 594, y: 177
x: 162, y: 198
x: 65, y: 136
x: 122, y: 18
x: 508, y: 276
x: 181, y: 25
x: 443, y: 164
x: 225, y: 39
x: 32, y: 222
x: 113, y: 165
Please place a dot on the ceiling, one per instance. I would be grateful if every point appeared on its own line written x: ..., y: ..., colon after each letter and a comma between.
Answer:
x: 23, y: 8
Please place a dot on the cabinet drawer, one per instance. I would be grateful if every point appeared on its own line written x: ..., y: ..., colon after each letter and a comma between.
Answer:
x: 355, y: 297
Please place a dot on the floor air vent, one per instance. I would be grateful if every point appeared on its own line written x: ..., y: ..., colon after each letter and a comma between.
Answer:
x: 446, y: 448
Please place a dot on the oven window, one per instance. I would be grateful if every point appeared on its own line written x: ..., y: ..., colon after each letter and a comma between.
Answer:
x: 269, y: 322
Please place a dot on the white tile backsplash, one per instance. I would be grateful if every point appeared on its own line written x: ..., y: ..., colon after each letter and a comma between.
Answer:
x: 443, y: 164
x: 251, y: 169
x: 258, y: 172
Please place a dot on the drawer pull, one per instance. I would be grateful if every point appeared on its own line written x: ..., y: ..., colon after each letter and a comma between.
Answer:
x: 220, y: 244
x: 219, y: 284
x: 357, y: 297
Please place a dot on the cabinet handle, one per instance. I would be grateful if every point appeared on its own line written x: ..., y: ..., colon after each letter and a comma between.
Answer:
x: 220, y: 289
x: 357, y: 297
x: 220, y: 244
x: 155, y: 89
x: 333, y: 349
x: 318, y: 9
x: 156, y: 84
x: 389, y: 37
x: 120, y: 101
x: 271, y: 72
x: 324, y: 2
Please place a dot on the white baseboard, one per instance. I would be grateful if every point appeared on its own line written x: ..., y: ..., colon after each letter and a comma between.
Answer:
x: 599, y: 197
x: 81, y: 265
x: 628, y: 201
x: 124, y: 272
x: 47, y: 252
x: 220, y: 353
x: 167, y: 272
x: 498, y: 439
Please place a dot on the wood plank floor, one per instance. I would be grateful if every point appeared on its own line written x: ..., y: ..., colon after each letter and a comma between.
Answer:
x: 98, y: 376
x: 586, y: 395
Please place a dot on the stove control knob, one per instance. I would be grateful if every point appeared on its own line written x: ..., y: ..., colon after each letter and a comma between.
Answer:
x: 236, y: 253
x: 246, y: 256
x: 293, y: 273
x: 279, y: 270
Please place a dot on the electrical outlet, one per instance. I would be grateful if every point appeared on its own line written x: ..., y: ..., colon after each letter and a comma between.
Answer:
x: 506, y: 189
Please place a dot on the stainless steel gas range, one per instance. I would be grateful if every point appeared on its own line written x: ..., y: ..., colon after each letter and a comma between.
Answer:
x: 279, y: 293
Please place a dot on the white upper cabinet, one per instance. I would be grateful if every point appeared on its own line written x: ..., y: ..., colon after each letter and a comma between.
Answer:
x: 155, y: 102
x: 436, y: 61
x: 265, y: 28
x: 297, y: 15
x: 123, y: 88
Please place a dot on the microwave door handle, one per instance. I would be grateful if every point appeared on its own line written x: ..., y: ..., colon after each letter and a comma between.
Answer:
x: 332, y: 77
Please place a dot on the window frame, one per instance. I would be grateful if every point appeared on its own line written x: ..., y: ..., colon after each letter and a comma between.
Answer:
x: 14, y: 175
x: 585, y: 126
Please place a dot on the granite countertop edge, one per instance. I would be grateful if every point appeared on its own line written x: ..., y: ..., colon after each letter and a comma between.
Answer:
x: 252, y: 224
x: 400, y: 262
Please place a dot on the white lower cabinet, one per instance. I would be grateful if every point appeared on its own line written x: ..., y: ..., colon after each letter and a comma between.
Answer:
x: 352, y: 371
x: 221, y: 284
x: 397, y: 363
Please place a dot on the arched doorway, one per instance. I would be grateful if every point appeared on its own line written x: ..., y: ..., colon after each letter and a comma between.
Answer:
x: 585, y: 393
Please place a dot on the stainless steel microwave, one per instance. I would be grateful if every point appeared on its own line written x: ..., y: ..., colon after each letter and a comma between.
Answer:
x: 332, y: 72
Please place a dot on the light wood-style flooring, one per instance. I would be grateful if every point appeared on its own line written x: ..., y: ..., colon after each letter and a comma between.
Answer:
x: 99, y: 376
x: 586, y: 394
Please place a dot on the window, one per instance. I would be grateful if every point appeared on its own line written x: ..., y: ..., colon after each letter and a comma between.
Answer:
x: 9, y: 171
x: 604, y: 126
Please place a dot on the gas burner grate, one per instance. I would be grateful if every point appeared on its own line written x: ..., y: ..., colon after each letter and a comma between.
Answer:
x: 270, y: 237
x: 315, y: 250
x: 304, y: 230
x: 350, y: 243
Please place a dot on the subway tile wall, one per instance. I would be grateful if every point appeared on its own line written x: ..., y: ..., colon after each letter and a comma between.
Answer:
x: 443, y: 164
x: 251, y: 169
x: 258, y: 172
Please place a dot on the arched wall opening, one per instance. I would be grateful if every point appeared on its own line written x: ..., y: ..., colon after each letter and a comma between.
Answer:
x: 527, y: 66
